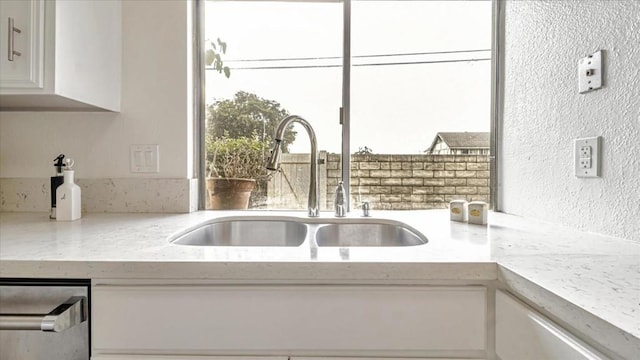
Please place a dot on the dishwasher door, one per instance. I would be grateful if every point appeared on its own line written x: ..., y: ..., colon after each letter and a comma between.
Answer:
x: 44, y: 319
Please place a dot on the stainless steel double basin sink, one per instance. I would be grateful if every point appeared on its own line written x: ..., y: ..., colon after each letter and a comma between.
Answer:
x: 284, y: 231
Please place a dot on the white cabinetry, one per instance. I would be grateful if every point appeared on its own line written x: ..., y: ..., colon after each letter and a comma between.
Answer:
x: 188, y: 357
x: 523, y: 334
x: 22, y: 44
x: 70, y: 55
x: 370, y: 358
x: 391, y: 321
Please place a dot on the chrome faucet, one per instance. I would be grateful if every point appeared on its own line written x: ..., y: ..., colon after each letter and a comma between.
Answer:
x: 274, y: 160
x: 366, y: 209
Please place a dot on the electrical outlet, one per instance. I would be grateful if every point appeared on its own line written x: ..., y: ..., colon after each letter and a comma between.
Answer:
x: 585, y: 151
x: 144, y: 158
x: 587, y: 157
x: 585, y: 163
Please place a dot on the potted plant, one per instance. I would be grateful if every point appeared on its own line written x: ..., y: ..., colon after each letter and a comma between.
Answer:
x: 235, y: 164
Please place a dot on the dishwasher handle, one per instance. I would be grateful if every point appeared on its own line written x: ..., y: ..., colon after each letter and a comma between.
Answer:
x: 69, y: 314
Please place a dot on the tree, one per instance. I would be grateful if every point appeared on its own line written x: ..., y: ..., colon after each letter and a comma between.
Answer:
x: 247, y: 115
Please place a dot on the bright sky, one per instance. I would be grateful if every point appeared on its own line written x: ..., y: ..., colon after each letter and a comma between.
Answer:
x: 394, y: 108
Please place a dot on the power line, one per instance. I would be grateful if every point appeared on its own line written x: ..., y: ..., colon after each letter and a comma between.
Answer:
x: 362, y: 56
x: 423, y: 62
x: 354, y: 65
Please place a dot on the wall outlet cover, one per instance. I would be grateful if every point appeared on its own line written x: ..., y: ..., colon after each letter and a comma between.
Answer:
x: 590, y: 72
x: 145, y: 158
x: 587, y: 157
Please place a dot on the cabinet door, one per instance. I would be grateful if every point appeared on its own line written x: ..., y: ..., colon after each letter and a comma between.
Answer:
x: 187, y: 357
x: 523, y: 334
x: 25, y: 71
x: 375, y: 358
x: 303, y: 320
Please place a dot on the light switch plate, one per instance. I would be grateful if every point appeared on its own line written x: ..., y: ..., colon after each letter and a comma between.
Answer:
x: 145, y: 158
x: 590, y: 72
x: 587, y: 154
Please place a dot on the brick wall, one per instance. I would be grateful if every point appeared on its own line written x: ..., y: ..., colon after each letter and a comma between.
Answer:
x: 403, y: 182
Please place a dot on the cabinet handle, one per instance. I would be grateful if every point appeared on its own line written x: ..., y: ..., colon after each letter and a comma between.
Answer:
x: 63, y: 317
x: 11, y: 33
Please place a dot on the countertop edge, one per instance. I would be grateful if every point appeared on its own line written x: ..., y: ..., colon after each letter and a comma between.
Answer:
x: 264, y: 271
x: 569, y: 314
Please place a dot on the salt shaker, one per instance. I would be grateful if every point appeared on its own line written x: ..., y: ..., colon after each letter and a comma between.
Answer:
x: 478, y: 212
x: 458, y: 210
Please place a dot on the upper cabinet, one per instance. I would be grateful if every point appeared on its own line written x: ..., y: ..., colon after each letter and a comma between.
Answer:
x: 23, y: 41
x: 60, y: 55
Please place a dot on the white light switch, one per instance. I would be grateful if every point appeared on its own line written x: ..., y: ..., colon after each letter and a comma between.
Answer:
x: 590, y: 72
x: 587, y: 157
x: 145, y: 158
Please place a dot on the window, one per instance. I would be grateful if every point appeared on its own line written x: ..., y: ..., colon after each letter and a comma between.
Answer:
x: 416, y: 98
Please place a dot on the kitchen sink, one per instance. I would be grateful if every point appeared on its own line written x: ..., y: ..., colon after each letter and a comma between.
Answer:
x: 246, y: 233
x: 290, y: 231
x: 367, y: 234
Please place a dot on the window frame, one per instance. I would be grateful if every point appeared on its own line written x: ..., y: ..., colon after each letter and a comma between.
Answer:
x: 496, y: 106
x: 199, y: 101
x: 497, y: 102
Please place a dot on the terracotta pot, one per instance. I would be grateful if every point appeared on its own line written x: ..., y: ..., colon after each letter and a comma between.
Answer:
x: 229, y: 193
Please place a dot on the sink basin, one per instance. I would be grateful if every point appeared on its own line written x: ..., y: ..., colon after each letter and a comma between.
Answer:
x: 289, y: 231
x: 246, y: 233
x: 367, y: 234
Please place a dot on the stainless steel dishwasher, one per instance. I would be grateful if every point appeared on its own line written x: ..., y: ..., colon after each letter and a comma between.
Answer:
x: 44, y: 319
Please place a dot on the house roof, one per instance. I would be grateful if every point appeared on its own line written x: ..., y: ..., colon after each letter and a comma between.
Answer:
x: 462, y: 140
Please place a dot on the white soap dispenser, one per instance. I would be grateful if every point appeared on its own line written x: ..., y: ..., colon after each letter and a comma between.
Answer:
x: 68, y: 196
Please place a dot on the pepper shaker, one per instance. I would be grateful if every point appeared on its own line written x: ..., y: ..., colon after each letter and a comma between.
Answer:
x: 478, y: 212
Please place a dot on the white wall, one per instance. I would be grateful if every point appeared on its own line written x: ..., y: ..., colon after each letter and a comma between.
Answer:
x: 156, y: 108
x: 543, y: 114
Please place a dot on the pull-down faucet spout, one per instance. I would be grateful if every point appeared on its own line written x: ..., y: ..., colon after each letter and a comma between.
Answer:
x: 274, y: 160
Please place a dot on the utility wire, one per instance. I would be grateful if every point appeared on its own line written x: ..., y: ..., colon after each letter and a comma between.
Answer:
x: 354, y: 65
x: 423, y: 62
x: 362, y: 56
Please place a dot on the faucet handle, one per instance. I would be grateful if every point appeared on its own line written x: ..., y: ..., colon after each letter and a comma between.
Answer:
x: 365, y: 209
x: 340, y: 209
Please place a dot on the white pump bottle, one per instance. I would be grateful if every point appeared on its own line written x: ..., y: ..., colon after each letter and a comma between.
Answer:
x: 68, y: 194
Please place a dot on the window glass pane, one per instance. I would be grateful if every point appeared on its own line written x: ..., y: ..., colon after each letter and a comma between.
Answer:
x: 420, y: 69
x: 283, y: 58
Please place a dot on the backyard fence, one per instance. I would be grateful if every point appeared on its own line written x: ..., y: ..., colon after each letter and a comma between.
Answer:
x: 389, y: 182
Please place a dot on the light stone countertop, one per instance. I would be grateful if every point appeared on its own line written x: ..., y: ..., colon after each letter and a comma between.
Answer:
x: 590, y: 282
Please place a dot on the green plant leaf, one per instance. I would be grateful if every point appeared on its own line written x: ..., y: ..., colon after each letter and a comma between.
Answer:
x: 209, y: 57
x: 223, y: 46
x: 241, y: 157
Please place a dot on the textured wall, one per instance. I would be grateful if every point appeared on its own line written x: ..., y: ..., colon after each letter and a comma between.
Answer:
x: 543, y: 114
